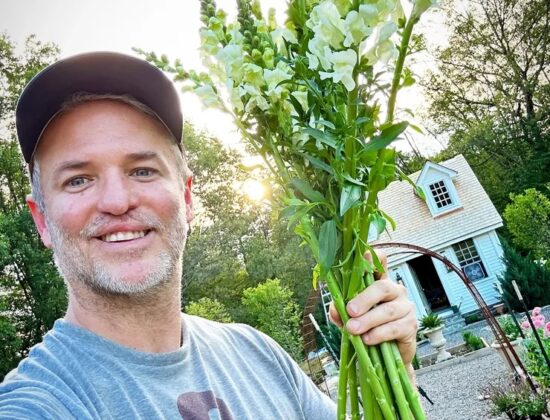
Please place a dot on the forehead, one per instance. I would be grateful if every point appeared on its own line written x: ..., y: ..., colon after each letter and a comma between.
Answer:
x: 103, y: 126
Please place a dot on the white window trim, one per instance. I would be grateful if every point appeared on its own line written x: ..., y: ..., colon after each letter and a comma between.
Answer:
x: 449, y: 184
x: 481, y: 255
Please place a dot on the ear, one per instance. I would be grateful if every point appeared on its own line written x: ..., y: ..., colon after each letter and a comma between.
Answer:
x: 39, y: 221
x: 188, y: 199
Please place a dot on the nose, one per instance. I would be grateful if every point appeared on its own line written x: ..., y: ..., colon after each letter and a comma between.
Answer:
x: 116, y: 195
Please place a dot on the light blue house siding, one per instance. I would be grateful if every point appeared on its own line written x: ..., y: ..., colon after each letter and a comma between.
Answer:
x: 457, y: 220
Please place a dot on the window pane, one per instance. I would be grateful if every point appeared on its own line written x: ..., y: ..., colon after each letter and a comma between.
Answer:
x: 469, y: 260
x: 440, y: 194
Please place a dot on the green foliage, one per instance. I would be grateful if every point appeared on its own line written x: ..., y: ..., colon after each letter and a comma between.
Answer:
x: 235, y: 243
x: 509, y: 327
x: 210, y: 309
x: 528, y: 221
x: 271, y: 309
x: 517, y: 401
x: 333, y: 335
x: 32, y: 295
x: 473, y: 317
x: 489, y: 94
x: 415, y: 362
x: 430, y: 321
x: 534, y: 360
x: 473, y: 342
x: 532, y: 278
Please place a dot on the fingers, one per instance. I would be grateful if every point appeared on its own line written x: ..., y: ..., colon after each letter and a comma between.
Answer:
x: 383, y: 260
x: 334, y: 316
x: 383, y: 290
x: 382, y: 314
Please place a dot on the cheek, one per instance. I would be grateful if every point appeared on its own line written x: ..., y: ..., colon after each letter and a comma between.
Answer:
x: 71, y: 214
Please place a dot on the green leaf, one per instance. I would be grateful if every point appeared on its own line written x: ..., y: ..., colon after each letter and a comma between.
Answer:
x: 328, y: 245
x: 303, y: 187
x: 354, y: 181
x: 389, y: 219
x: 317, y: 163
x: 386, y: 137
x: 375, y: 260
x: 321, y: 136
x: 379, y: 222
x: 316, y: 274
x: 325, y: 123
x: 420, y: 192
x: 416, y: 128
x: 351, y: 194
x: 297, y: 106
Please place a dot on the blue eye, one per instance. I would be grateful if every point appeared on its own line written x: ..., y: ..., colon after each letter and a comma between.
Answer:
x: 77, y: 182
x: 144, y: 172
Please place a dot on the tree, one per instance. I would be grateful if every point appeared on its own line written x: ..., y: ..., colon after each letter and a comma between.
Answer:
x: 32, y: 294
x: 528, y: 221
x: 491, y: 92
x: 235, y: 243
x: 210, y: 309
x: 272, y: 310
x: 532, y: 278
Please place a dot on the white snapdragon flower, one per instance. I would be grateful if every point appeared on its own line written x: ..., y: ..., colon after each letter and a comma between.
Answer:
x: 319, y: 52
x: 343, y: 6
x: 210, y: 44
x: 356, y: 29
x: 274, y: 77
x: 235, y: 94
x: 301, y: 97
x: 280, y: 34
x: 420, y: 6
x: 253, y: 74
x: 232, y: 57
x: 381, y: 35
x: 325, y: 22
x: 208, y: 96
x: 369, y: 14
x: 256, y: 99
x: 343, y: 63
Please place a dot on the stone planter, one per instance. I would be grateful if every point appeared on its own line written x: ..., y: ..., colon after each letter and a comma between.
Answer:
x: 438, y: 341
x: 500, y: 350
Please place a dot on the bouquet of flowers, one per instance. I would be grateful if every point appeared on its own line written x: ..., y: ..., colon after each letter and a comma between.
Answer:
x: 316, y: 99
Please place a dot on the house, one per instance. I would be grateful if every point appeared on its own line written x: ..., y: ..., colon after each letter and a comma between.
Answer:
x: 457, y: 220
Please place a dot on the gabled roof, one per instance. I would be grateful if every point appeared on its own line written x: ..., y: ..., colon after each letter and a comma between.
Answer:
x: 415, y: 223
x: 432, y: 166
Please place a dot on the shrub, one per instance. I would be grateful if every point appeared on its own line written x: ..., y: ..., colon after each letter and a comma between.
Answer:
x: 509, y: 327
x: 516, y: 401
x: 471, y: 318
x: 333, y: 335
x: 210, y: 309
x: 430, y: 321
x: 533, y: 279
x: 528, y: 220
x: 272, y: 310
x: 473, y: 342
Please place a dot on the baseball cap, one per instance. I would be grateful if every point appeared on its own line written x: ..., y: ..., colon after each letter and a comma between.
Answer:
x: 94, y: 73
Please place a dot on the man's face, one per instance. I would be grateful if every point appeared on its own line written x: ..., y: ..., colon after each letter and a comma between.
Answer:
x: 117, y: 206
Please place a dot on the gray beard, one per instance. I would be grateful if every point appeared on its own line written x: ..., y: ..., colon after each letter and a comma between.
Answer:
x: 74, y: 265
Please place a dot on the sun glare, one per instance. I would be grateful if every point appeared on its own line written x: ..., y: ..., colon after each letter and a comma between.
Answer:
x: 255, y: 190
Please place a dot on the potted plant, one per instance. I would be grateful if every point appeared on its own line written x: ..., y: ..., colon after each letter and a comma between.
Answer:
x: 432, y: 326
x: 512, y: 332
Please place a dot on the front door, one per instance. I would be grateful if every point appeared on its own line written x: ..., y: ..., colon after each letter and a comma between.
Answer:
x: 429, y: 282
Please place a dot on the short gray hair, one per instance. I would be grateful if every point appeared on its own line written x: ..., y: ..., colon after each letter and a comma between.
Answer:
x: 85, y: 97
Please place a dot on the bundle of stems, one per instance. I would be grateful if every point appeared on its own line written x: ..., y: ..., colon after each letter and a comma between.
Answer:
x: 308, y: 97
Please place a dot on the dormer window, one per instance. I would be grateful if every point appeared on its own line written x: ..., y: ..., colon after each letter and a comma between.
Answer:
x: 441, y: 195
x: 437, y: 183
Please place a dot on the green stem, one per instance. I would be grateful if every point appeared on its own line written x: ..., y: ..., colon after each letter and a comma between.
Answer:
x: 374, y: 352
x: 343, y: 376
x: 352, y: 383
x: 407, y: 32
x: 410, y: 391
x: 391, y: 369
x: 362, y: 355
x: 369, y: 402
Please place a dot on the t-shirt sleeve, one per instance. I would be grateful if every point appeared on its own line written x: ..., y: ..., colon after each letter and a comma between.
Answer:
x: 30, y: 403
x: 315, y: 404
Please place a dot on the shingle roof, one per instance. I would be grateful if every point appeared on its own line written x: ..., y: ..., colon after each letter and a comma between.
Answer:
x: 415, y: 223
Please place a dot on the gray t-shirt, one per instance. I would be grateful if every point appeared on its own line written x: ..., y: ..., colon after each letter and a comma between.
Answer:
x: 222, y: 371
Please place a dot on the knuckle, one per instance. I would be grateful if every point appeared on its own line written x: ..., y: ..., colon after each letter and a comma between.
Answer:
x: 390, y: 310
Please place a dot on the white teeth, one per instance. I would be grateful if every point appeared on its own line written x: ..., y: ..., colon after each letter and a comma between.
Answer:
x: 123, y: 236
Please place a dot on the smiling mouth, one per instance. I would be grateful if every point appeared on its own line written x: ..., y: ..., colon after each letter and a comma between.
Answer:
x: 124, y: 236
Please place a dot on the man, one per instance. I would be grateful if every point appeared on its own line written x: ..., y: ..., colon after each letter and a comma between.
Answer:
x: 112, y: 198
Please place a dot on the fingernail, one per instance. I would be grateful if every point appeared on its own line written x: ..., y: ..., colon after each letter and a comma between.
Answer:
x: 352, y: 307
x: 353, y: 325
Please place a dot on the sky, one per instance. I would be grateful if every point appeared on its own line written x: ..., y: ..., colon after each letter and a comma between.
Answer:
x: 163, y: 26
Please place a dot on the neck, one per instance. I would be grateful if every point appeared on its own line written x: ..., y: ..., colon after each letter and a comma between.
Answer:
x: 148, y: 322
